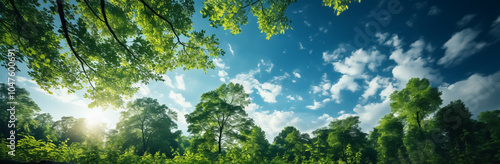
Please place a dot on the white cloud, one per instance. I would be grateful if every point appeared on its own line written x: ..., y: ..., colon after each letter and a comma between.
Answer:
x: 296, y: 74
x: 273, y: 123
x: 222, y: 74
x: 411, y: 64
x: 341, y: 112
x: 282, y: 77
x: 381, y: 37
x: 231, y: 49
x: 269, y: 64
x: 323, y: 87
x: 394, y: 41
x: 373, y: 87
x: 62, y: 95
x: 293, y: 98
x: 334, y: 55
x: 479, y: 93
x: 252, y: 107
x: 370, y: 114
x: 179, y: 99
x: 345, y: 82
x: 460, y: 46
x: 167, y: 81
x: 318, y: 104
x: 465, y: 20
x: 269, y: 91
x: 355, y: 64
x: 307, y: 23
x: 434, y: 10
x: 301, y: 46
x: 179, y: 80
x: 219, y: 63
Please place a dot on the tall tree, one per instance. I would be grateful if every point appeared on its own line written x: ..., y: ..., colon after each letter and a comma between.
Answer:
x: 346, y: 138
x: 416, y: 101
x: 390, y: 140
x: 221, y: 112
x: 491, y: 135
x: 147, y: 125
x: 17, y: 111
x: 412, y: 104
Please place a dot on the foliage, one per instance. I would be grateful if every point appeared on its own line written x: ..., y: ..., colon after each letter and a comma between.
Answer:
x: 221, y: 115
x: 146, y: 134
x: 112, y: 45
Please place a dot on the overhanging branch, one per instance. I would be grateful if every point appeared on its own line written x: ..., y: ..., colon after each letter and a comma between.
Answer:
x: 60, y: 10
x: 103, y: 10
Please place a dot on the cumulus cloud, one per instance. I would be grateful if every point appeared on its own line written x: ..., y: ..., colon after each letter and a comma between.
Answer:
x: 330, y: 57
x: 269, y: 65
x: 296, y: 74
x: 323, y: 87
x: 412, y: 64
x: 168, y: 81
x: 374, y: 85
x: 345, y: 82
x: 222, y: 74
x: 318, y: 104
x: 355, y: 64
x: 273, y: 122
x: 479, y: 92
x: 179, y: 80
x: 370, y: 114
x: 282, y: 77
x: 179, y: 99
x: 220, y: 63
x: 268, y: 91
x: 460, y: 46
x: 293, y: 98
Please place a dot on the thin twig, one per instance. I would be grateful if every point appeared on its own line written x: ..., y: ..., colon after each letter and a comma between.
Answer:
x: 86, y: 3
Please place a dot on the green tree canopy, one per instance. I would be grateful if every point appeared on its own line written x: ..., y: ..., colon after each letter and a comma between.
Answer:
x: 147, y: 125
x: 221, y: 113
x: 110, y: 45
x: 416, y: 101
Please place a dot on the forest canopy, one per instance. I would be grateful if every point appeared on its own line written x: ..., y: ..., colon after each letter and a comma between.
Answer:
x: 220, y: 132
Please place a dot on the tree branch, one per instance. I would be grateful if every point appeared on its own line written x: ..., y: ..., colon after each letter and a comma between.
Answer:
x: 163, y: 18
x: 60, y: 10
x: 86, y: 3
x: 103, y: 10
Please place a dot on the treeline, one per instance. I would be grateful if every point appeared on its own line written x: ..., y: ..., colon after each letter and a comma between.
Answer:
x: 416, y: 131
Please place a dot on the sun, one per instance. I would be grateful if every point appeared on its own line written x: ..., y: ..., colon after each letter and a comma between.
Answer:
x: 94, y: 117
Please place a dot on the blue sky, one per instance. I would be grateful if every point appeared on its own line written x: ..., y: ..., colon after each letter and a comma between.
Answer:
x: 324, y: 69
